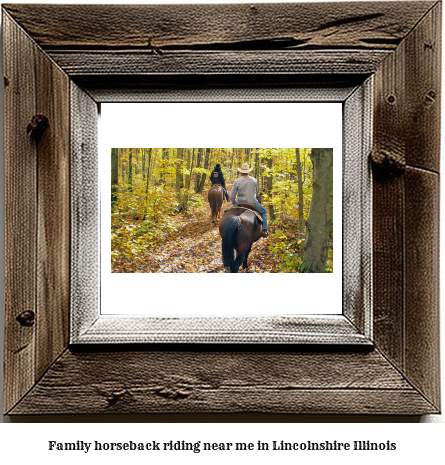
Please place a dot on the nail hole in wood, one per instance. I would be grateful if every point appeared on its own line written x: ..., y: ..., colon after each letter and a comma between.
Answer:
x: 430, y: 97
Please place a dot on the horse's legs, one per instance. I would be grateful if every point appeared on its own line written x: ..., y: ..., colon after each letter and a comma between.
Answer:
x: 245, y: 258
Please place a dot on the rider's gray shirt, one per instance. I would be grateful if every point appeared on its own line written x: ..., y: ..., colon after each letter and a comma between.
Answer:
x: 246, y: 188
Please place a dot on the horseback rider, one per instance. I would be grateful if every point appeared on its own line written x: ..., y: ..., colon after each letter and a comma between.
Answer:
x: 217, y: 177
x: 246, y: 187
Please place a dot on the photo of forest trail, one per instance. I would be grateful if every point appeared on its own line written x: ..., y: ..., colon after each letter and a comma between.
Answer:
x: 161, y: 219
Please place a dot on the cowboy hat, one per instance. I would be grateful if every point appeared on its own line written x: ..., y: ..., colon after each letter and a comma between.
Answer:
x: 245, y: 169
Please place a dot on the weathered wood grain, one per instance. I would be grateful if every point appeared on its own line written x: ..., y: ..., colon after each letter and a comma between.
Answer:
x: 37, y: 217
x: 421, y: 212
x: 109, y: 329
x: 241, y: 26
x: 223, y: 382
x: 85, y: 209
x: 407, y: 113
x: 406, y: 240
x: 399, y: 42
x: 423, y: 91
x: 78, y: 63
x: 357, y: 209
x: 388, y: 268
x: 53, y: 225
x: 218, y: 87
x: 20, y: 213
x: 388, y: 196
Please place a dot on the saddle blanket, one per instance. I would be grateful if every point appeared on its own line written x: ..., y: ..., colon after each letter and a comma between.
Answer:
x: 257, y: 214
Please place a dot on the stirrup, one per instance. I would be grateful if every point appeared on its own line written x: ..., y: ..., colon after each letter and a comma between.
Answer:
x: 264, y: 233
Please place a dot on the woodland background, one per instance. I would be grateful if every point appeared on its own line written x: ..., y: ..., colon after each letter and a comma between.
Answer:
x: 160, y: 220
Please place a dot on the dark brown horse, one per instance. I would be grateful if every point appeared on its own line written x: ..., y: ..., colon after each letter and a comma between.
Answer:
x: 239, y: 229
x: 216, y: 197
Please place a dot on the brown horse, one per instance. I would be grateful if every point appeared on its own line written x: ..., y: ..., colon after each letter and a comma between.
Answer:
x: 216, y: 197
x: 239, y: 229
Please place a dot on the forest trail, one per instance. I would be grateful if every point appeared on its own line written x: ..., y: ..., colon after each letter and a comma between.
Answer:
x: 161, y: 224
x: 195, y: 247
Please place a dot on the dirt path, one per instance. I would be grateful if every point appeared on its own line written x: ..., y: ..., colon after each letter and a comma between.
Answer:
x: 196, y: 248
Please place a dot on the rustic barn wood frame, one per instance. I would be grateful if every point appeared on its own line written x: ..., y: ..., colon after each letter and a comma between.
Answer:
x: 68, y: 59
x: 89, y: 321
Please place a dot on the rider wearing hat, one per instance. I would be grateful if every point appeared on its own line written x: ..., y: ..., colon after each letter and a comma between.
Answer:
x: 216, y: 177
x: 246, y: 187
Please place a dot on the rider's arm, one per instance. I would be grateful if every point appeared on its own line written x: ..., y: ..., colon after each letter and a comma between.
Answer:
x: 233, y: 192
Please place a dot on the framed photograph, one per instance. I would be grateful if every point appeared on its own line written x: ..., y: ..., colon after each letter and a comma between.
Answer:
x: 134, y: 304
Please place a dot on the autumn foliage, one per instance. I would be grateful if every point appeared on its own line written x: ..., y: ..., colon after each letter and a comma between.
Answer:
x: 160, y: 220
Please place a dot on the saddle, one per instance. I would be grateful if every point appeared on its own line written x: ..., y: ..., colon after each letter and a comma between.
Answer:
x: 250, y: 207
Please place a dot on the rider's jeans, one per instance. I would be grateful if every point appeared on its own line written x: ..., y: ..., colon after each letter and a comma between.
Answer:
x: 263, y: 212
x: 260, y: 209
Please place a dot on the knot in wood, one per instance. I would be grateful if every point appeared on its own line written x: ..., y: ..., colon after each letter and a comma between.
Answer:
x: 37, y: 126
x: 26, y: 318
x: 387, y: 163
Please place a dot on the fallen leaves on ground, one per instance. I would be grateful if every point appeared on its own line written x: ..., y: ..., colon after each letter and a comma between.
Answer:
x: 195, y: 247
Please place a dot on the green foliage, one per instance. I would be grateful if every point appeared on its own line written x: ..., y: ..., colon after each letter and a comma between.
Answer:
x: 288, y: 248
x: 140, y: 218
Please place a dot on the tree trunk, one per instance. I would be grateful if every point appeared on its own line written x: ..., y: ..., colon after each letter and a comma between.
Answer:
x: 148, y: 170
x: 206, y: 166
x: 136, y: 159
x: 179, y: 161
x: 130, y: 170
x: 198, y: 165
x: 247, y: 152
x: 187, y: 179
x: 300, y: 192
x: 269, y: 188
x: 122, y: 165
x: 143, y: 164
x: 257, y: 168
x: 114, y: 174
x: 319, y: 223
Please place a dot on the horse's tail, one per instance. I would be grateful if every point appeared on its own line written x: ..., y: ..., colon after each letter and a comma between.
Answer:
x: 230, y: 231
x: 214, y: 205
x: 214, y: 201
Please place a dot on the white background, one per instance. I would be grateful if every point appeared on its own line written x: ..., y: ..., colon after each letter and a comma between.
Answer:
x: 220, y: 125
x: 27, y: 443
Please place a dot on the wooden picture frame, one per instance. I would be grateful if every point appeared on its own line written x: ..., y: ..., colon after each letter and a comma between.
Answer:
x: 60, y: 67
